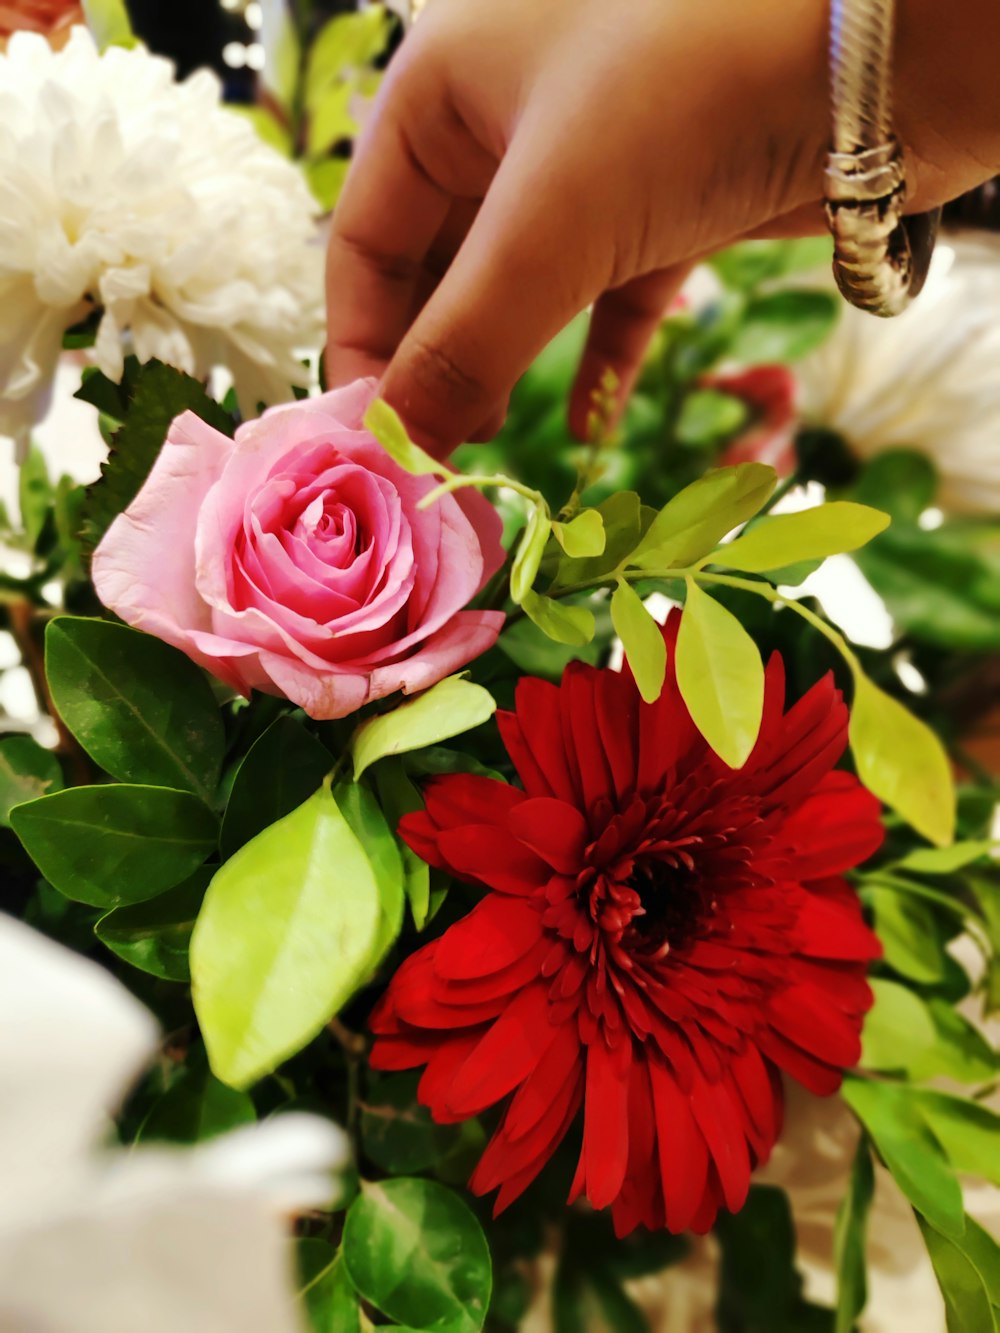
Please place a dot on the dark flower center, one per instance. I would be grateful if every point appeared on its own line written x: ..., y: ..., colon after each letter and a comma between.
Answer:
x: 674, y: 904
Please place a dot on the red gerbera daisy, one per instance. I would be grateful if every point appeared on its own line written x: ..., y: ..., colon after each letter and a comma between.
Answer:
x: 662, y: 935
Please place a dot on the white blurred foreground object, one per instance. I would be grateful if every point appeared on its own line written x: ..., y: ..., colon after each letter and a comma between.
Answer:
x: 124, y: 191
x: 926, y: 380
x: 108, y: 1241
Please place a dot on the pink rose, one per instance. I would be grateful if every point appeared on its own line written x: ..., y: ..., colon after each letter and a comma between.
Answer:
x: 294, y: 559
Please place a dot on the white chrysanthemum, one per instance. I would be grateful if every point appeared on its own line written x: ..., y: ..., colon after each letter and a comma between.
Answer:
x: 124, y: 189
x: 104, y: 1241
x: 928, y: 379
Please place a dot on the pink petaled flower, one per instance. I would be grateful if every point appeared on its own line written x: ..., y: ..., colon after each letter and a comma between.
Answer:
x: 660, y: 938
x: 294, y: 560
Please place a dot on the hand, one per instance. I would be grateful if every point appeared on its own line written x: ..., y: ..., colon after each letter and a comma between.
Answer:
x: 527, y: 158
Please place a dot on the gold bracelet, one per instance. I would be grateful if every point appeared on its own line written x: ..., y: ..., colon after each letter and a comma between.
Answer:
x: 881, y: 258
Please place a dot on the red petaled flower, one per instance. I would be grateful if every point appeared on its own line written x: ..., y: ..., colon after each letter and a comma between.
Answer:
x: 661, y: 936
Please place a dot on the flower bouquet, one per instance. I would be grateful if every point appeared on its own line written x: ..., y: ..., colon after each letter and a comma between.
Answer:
x: 522, y: 814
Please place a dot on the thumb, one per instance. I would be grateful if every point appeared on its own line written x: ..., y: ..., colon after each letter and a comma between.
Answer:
x: 521, y: 274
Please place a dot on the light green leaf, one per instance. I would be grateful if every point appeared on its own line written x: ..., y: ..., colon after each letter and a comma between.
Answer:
x: 573, y: 625
x: 783, y: 326
x: 708, y: 416
x: 108, y: 20
x: 944, y: 860
x: 583, y: 537
x: 361, y: 810
x: 449, y: 708
x: 416, y: 1252
x: 330, y: 119
x: 960, y: 1051
x: 850, y: 1237
x: 195, y: 1108
x: 346, y: 42
x: 383, y: 422
x: 750, y: 263
x: 283, y: 767
x: 283, y: 54
x: 911, y: 939
x: 115, y: 844
x: 325, y: 179
x: 400, y: 797
x: 154, y: 936
x: 529, y: 552
x: 695, y: 520
x: 966, y: 1269
x: 26, y: 772
x: 622, y: 518
x: 642, y: 639
x: 267, y: 126
x: 902, y: 761
x: 141, y: 709
x: 968, y: 1131
x: 898, y: 1028
x: 720, y: 676
x: 811, y: 534
x: 35, y: 494
x: 288, y: 931
x: 911, y: 1152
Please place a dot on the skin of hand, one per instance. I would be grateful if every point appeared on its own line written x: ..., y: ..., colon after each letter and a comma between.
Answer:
x: 527, y: 159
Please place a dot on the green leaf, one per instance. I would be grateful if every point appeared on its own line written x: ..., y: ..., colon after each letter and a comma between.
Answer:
x: 140, y: 708
x: 698, y: 517
x: 416, y: 1252
x: 901, y: 481
x: 383, y: 422
x: 967, y: 1272
x: 898, y: 1029
x: 960, y: 1051
x: 108, y: 20
x: 708, y: 416
x: 35, y: 494
x: 642, y: 639
x: 811, y: 534
x: 902, y: 761
x: 449, y: 708
x: 361, y: 810
x: 945, y: 860
x: 330, y: 1300
x: 587, y: 1299
x: 330, y: 119
x: 154, y: 936
x: 783, y: 326
x: 157, y: 395
x: 115, y: 844
x: 968, y: 1131
x: 622, y: 518
x: 267, y: 126
x: 346, y: 42
x: 910, y: 1150
x: 561, y: 621
x: 720, y: 676
x: 195, y: 1108
x: 750, y: 263
x: 400, y: 797
x: 531, y: 649
x: 529, y: 552
x: 26, y: 772
x: 911, y: 938
x: 282, y: 768
x: 284, y: 58
x: 288, y: 931
x: 584, y: 536
x: 326, y: 180
x: 850, y: 1240
x: 397, y: 1133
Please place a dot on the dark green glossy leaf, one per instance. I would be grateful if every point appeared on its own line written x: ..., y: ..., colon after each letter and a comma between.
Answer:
x: 26, y: 772
x: 118, y: 843
x: 282, y: 768
x: 196, y: 1107
x: 397, y: 1133
x: 783, y: 326
x: 912, y: 942
x: 330, y: 1301
x: 850, y: 1238
x: 968, y: 1272
x: 968, y: 1131
x: 416, y: 1251
x: 140, y: 708
x: 154, y: 936
x: 589, y: 1300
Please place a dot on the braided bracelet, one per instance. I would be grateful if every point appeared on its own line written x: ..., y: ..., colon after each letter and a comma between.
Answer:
x: 881, y: 258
